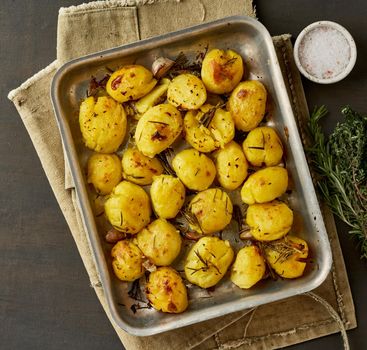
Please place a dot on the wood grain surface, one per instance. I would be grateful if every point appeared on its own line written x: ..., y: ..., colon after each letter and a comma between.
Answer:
x: 45, y: 298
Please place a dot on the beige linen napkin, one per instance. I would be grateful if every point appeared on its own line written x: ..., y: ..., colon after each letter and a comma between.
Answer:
x: 100, y: 25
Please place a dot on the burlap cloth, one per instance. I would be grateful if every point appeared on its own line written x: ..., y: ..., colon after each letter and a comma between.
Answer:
x: 100, y: 25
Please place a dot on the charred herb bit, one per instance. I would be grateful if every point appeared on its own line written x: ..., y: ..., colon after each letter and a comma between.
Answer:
x: 256, y: 147
x: 229, y: 62
x: 340, y: 161
x: 97, y: 87
x: 157, y: 122
x: 158, y: 136
x: 135, y: 307
x: 135, y: 291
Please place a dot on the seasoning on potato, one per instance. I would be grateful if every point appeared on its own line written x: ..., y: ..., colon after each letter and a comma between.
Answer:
x: 138, y: 168
x: 263, y: 146
x: 208, y: 261
x: 102, y: 124
x: 128, y: 208
x: 221, y: 70
x: 130, y: 83
x: 265, y: 185
x: 194, y: 169
x: 166, y: 291
x: 157, y: 129
x: 211, y: 211
x: 231, y: 166
x: 104, y: 172
x: 284, y: 256
x: 269, y: 221
x: 248, y: 268
x: 186, y: 91
x: 160, y: 242
x: 247, y: 104
x: 127, y: 261
x: 168, y: 196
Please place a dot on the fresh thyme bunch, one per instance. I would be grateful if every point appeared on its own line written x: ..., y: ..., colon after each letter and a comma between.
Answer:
x: 341, y: 162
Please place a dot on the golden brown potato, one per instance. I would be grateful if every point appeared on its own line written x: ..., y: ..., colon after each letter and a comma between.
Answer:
x: 221, y: 70
x: 208, y: 128
x: 104, y: 172
x: 262, y: 146
x: 212, y: 211
x: 186, y: 91
x: 128, y: 208
x: 269, y: 221
x: 265, y: 185
x: 160, y: 242
x: 102, y: 124
x: 130, y: 83
x: 139, y: 168
x: 284, y: 256
x: 168, y: 196
x: 248, y: 268
x: 194, y: 169
x: 157, y: 129
x: 231, y: 166
x: 208, y: 261
x: 166, y: 291
x: 127, y: 261
x: 247, y: 104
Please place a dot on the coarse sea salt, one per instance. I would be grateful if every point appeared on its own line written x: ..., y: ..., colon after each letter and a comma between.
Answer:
x: 324, y: 52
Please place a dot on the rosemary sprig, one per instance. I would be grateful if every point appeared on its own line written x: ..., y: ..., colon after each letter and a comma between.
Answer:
x: 341, y: 163
x: 208, y: 116
x: 163, y: 157
x: 283, y: 248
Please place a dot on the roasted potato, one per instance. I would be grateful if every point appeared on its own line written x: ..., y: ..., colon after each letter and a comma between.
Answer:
x: 263, y: 146
x: 221, y: 70
x: 168, y: 196
x: 157, y: 129
x: 194, y: 169
x: 208, y: 128
x: 102, y: 124
x: 231, y: 166
x: 128, y: 208
x: 269, y: 221
x: 160, y: 242
x: 130, y: 83
x: 127, y: 261
x: 166, y: 291
x: 248, y: 268
x: 138, y: 168
x: 247, y: 104
x: 186, y: 91
x: 104, y: 172
x: 284, y: 256
x: 208, y: 261
x: 265, y: 185
x: 212, y: 211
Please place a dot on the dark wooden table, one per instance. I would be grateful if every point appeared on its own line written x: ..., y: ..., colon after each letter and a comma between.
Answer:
x: 45, y: 298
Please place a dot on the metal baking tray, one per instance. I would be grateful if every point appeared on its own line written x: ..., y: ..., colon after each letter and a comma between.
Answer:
x: 251, y: 39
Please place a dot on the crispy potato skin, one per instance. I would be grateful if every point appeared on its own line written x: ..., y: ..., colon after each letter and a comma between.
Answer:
x: 186, y: 91
x: 139, y: 168
x: 166, y: 291
x: 221, y: 70
x: 127, y: 261
x: 102, y: 124
x: 231, y: 166
x: 128, y: 208
x: 291, y: 267
x: 130, y: 83
x: 213, y: 210
x: 157, y: 129
x: 167, y: 187
x: 265, y: 185
x: 104, y: 172
x: 194, y: 169
x: 160, y: 242
x: 248, y: 268
x: 247, y: 104
x: 208, y: 261
x: 263, y: 146
x: 269, y: 221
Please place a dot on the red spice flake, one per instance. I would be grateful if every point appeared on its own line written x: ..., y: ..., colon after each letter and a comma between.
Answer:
x: 116, y: 82
x: 172, y: 307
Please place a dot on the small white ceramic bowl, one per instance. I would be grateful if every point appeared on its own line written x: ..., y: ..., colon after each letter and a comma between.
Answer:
x: 325, y: 52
